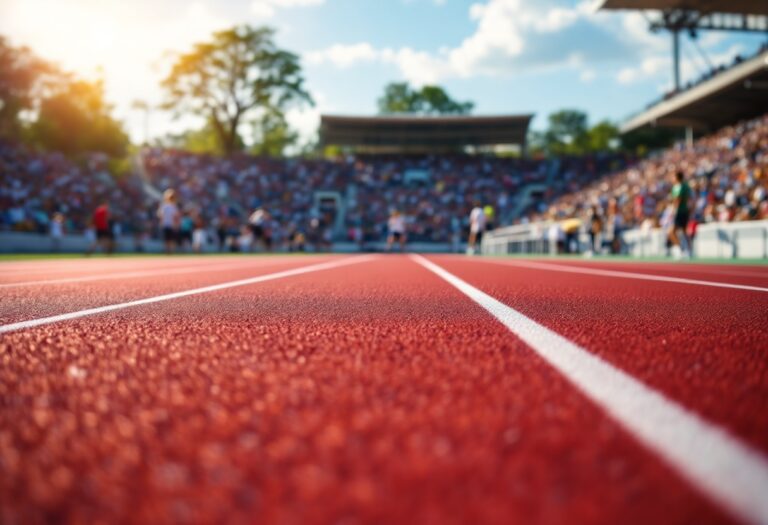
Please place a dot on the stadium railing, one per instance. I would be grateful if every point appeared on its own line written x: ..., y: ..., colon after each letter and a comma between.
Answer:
x: 734, y: 240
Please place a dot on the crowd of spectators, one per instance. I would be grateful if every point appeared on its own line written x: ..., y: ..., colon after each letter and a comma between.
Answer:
x: 727, y: 172
x: 434, y: 193
x: 351, y: 198
x: 37, y: 187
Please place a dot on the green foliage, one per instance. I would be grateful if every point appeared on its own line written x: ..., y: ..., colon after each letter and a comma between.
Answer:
x: 603, y: 136
x: 400, y: 98
x: 75, y: 118
x: 235, y: 78
x: 567, y: 133
x: 273, y: 135
x: 643, y: 140
x: 21, y: 77
x: 62, y: 113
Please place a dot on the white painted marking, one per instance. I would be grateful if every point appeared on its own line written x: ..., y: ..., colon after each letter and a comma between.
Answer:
x: 729, y: 471
x: 176, y: 295
x: 622, y: 275
x: 146, y: 273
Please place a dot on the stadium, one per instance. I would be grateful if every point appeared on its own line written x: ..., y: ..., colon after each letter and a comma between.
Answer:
x: 363, y: 262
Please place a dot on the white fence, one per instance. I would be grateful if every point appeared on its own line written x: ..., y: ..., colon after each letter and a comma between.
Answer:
x: 735, y: 240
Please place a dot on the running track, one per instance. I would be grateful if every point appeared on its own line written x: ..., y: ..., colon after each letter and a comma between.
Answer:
x: 382, y: 389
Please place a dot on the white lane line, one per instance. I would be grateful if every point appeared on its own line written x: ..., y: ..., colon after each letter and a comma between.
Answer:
x: 622, y: 275
x: 726, y: 469
x: 176, y: 295
x: 146, y: 273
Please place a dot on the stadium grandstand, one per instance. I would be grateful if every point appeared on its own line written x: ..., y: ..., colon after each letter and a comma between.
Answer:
x: 424, y: 133
x: 726, y: 166
x: 723, y: 95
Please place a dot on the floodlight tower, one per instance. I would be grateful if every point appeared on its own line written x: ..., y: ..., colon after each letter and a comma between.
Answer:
x: 692, y: 16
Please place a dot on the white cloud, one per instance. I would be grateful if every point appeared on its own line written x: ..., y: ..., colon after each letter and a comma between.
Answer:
x: 344, y: 56
x: 268, y: 8
x: 510, y: 36
x: 649, y: 67
x: 587, y: 75
x: 306, y: 120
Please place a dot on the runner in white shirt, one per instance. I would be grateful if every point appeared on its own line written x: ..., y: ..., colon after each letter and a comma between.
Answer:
x: 477, y: 221
x: 396, y: 227
x: 169, y: 216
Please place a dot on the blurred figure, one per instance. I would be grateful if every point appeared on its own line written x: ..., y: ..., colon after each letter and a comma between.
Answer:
x: 199, y: 235
x: 186, y: 227
x: 490, y: 213
x: 259, y: 222
x: 102, y: 223
x: 595, y: 229
x: 681, y: 196
x: 477, y: 223
x: 396, y: 228
x: 57, y: 231
x: 314, y: 234
x: 169, y: 216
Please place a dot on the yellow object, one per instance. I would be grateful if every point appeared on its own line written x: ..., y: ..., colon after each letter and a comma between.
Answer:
x: 571, y: 225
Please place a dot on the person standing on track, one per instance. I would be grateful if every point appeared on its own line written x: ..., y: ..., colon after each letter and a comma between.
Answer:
x: 103, y: 225
x: 477, y: 222
x: 199, y: 234
x: 678, y: 235
x: 57, y: 231
x: 259, y: 223
x: 169, y: 216
x: 396, y: 227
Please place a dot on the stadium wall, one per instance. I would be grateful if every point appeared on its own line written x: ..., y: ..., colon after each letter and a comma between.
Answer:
x: 736, y: 240
x: 18, y: 242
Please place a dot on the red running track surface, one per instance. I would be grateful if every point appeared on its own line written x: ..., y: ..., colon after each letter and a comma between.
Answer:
x: 369, y: 393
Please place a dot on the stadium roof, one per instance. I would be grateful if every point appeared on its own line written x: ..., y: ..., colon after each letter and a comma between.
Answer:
x: 738, y: 93
x: 414, y: 132
x: 743, y: 7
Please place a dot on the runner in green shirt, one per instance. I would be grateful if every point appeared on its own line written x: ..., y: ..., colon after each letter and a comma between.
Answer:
x: 681, y: 196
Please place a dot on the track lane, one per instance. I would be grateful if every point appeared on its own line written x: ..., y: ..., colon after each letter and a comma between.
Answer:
x: 373, y: 393
x: 702, y: 346
x: 50, y: 270
x: 35, y: 301
x: 748, y: 276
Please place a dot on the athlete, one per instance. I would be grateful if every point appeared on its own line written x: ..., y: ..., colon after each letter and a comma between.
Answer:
x: 678, y: 235
x: 260, y: 228
x: 396, y: 227
x: 102, y: 225
x: 170, y: 218
x: 477, y: 221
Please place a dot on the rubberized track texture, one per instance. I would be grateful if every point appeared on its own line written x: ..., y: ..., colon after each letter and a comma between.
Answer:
x: 382, y: 389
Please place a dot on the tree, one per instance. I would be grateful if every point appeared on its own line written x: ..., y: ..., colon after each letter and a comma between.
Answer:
x: 648, y: 139
x: 399, y: 97
x: 21, y: 73
x: 75, y: 118
x: 567, y: 132
x: 234, y: 79
x: 273, y: 135
x: 603, y: 136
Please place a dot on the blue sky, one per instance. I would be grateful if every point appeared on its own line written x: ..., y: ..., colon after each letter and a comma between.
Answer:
x: 508, y: 56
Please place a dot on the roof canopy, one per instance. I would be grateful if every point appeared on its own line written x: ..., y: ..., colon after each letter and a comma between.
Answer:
x: 414, y: 132
x: 743, y: 7
x: 738, y: 93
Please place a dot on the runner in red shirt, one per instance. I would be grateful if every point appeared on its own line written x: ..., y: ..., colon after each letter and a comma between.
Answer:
x: 104, y: 237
